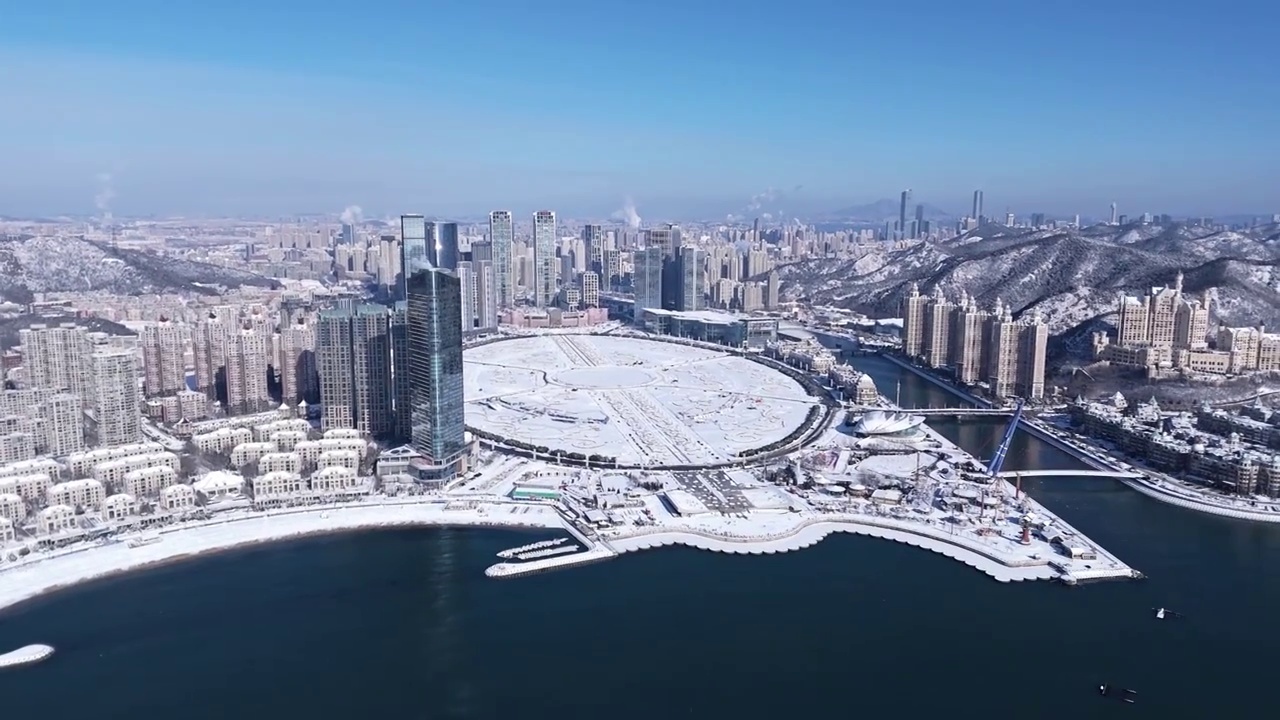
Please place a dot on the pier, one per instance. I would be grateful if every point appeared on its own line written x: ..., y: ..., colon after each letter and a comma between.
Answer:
x: 25, y: 656
x: 509, y: 570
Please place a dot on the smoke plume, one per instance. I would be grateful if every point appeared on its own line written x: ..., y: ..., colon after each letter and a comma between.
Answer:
x: 102, y: 199
x: 352, y: 215
x: 628, y: 214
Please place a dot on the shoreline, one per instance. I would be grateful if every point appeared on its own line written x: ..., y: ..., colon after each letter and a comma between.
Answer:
x: 28, y: 580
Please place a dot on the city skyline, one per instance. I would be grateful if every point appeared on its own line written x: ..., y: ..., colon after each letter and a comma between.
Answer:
x: 222, y: 114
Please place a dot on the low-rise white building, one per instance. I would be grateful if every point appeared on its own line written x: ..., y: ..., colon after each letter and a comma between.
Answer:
x: 13, y: 507
x: 178, y: 498
x: 32, y: 488
x: 280, y: 462
x: 149, y: 482
x: 292, y: 425
x: 112, y: 473
x: 119, y: 507
x: 17, y: 446
x: 348, y: 459
x: 222, y: 439
x: 7, y: 532
x: 343, y: 434
x: 277, y: 486
x: 55, y: 519
x: 38, y: 466
x: 219, y: 485
x: 245, y: 453
x: 336, y: 480
x: 287, y: 439
x: 78, y: 493
x: 81, y: 464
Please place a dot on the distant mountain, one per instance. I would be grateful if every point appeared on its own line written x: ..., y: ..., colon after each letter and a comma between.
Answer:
x: 44, y: 264
x: 1071, y: 277
x: 878, y: 212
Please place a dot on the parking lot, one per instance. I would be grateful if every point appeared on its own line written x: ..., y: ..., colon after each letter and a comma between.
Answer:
x: 715, y: 490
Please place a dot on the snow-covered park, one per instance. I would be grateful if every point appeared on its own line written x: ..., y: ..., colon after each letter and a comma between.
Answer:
x: 641, y: 401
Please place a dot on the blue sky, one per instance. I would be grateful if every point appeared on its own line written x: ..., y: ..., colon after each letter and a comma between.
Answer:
x: 688, y: 106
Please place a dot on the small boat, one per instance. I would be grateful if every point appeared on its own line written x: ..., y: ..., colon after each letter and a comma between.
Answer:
x: 1165, y: 614
x: 1121, y: 694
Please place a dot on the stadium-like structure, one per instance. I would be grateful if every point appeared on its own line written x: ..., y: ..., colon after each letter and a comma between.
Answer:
x: 882, y: 423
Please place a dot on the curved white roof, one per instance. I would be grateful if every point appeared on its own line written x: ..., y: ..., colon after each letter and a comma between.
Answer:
x: 880, y: 422
x: 218, y: 481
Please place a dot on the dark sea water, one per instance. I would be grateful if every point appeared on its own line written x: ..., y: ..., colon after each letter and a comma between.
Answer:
x: 403, y: 624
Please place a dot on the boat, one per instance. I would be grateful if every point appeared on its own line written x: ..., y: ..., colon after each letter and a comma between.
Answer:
x: 25, y: 656
x: 1121, y: 694
x: 1165, y: 614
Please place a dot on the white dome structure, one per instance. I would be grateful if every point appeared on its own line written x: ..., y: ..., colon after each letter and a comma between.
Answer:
x: 880, y: 423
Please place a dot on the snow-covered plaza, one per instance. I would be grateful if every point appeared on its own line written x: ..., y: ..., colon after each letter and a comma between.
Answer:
x: 640, y: 401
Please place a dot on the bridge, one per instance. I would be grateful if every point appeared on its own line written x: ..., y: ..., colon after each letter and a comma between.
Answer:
x: 1118, y: 474
x: 964, y: 411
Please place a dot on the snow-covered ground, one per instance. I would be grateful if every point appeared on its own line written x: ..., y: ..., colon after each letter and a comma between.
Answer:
x: 641, y: 401
x: 44, y: 572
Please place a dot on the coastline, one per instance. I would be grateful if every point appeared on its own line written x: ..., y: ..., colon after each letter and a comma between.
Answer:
x: 41, y: 575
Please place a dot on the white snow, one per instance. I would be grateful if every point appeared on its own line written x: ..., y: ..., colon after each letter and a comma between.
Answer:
x: 25, y: 655
x: 641, y: 401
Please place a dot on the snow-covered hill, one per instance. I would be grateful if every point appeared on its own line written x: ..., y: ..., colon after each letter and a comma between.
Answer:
x: 68, y: 264
x: 1072, y: 277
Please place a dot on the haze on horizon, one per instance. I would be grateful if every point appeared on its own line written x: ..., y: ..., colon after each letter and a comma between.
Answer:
x: 237, y: 108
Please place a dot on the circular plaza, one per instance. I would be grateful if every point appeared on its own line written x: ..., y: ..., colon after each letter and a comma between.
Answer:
x: 638, y: 402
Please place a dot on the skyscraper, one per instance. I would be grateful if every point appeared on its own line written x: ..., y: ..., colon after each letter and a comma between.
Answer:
x: 164, y: 371
x: 401, y: 395
x: 902, y: 211
x: 486, y: 300
x: 544, y: 258
x: 413, y: 246
x: 593, y: 247
x: 647, y: 278
x: 114, y: 377
x: 501, y: 235
x: 57, y: 358
x: 1115, y: 219
x: 692, y: 279
x: 333, y: 363
x: 298, y: 362
x: 977, y: 204
x: 435, y: 371
x: 353, y: 354
x: 443, y: 253
x: 467, y: 288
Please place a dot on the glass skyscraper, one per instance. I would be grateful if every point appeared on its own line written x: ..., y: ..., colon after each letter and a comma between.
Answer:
x: 444, y: 251
x: 434, y: 325
x: 413, y: 247
x: 544, y: 258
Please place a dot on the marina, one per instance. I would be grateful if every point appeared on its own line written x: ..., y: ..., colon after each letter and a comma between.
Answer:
x: 515, y: 552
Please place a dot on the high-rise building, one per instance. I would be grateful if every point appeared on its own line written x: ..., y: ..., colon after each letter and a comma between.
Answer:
x: 589, y: 289
x: 544, y: 258
x: 401, y: 394
x: 333, y: 364
x: 444, y: 250
x: 246, y: 370
x: 693, y: 286
x: 977, y: 204
x: 354, y: 357
x: 1115, y: 219
x: 918, y: 226
x: 413, y: 245
x: 435, y: 370
x: 937, y: 329
x: 57, y: 358
x: 903, y: 201
x: 593, y: 248
x: 647, y: 278
x: 116, y: 400
x: 164, y: 370
x: 501, y: 235
x: 913, y: 307
x: 468, y: 290
x: 486, y: 295
x: 298, y: 380
x: 481, y: 251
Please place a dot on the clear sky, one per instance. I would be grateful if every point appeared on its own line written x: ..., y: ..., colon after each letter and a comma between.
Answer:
x: 690, y: 107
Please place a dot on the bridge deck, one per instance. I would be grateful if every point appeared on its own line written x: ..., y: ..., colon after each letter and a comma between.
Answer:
x: 1120, y: 474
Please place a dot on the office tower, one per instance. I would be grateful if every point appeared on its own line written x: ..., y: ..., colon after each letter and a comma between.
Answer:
x: 903, y: 201
x: 246, y: 370
x: 593, y: 247
x: 333, y: 363
x: 401, y: 394
x: 918, y: 227
x: 486, y: 295
x: 612, y: 272
x: 692, y: 285
x: 164, y: 370
x: 298, y: 380
x: 348, y: 234
x: 755, y: 230
x: 501, y: 236
x: 1115, y: 219
x: 467, y: 296
x: 544, y: 258
x: 589, y: 289
x: 435, y: 365
x: 443, y: 250
x: 116, y: 401
x: 913, y: 306
x: 663, y: 238
x: 977, y: 204
x: 1009, y: 220
x: 413, y: 246
x: 57, y: 358
x: 647, y: 278
x: 772, y: 291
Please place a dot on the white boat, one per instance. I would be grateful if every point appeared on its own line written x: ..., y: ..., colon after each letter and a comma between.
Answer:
x: 1160, y: 614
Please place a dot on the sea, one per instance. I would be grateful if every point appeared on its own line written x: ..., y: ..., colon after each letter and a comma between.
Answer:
x: 404, y: 624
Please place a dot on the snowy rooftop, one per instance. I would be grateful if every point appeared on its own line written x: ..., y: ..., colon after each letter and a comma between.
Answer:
x: 641, y: 401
